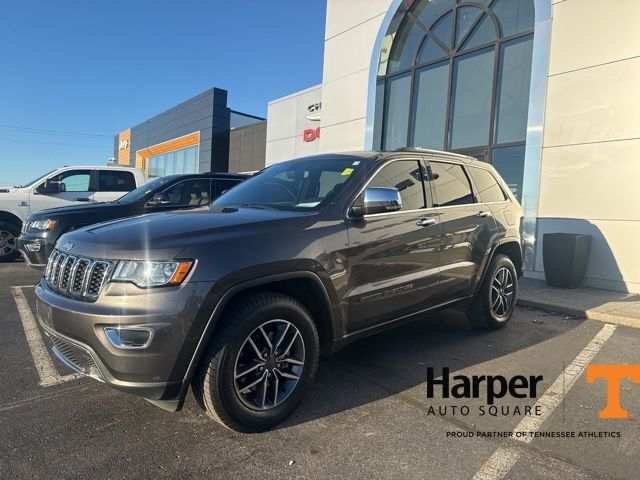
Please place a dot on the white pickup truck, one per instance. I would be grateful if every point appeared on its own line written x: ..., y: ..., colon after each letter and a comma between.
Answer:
x: 61, y: 187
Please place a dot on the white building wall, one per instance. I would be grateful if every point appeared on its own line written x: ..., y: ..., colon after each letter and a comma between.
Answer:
x: 590, y: 172
x: 350, y: 33
x: 286, y: 122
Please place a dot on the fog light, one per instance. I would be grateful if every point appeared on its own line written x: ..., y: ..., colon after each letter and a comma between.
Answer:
x: 33, y: 247
x: 129, y: 338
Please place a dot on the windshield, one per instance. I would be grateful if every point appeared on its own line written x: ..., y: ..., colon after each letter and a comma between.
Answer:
x: 35, y: 180
x: 146, y: 189
x: 297, y: 185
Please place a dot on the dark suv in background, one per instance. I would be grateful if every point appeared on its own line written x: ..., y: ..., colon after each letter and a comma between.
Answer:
x: 238, y: 300
x: 43, y: 228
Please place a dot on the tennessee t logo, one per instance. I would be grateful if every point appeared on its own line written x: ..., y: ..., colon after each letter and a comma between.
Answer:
x: 613, y: 375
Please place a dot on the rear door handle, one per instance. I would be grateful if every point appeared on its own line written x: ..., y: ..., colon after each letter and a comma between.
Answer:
x: 81, y: 199
x: 425, y: 222
x: 482, y: 214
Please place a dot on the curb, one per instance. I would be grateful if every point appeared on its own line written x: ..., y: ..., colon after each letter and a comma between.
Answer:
x: 575, y: 312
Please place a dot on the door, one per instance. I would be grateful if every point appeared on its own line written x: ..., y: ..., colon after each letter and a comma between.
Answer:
x: 77, y: 189
x: 113, y: 184
x: 466, y: 229
x: 392, y: 257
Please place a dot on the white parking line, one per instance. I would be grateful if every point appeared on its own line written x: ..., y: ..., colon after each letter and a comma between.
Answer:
x: 505, y: 458
x: 44, y: 365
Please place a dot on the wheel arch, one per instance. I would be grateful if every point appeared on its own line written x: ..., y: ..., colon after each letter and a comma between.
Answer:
x: 10, y: 218
x: 304, y: 286
x: 507, y: 246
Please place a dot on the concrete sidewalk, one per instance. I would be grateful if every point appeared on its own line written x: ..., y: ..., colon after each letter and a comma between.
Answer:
x: 595, y: 304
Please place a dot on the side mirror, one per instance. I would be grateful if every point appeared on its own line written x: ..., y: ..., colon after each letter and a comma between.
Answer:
x: 51, y: 187
x: 159, y: 199
x: 378, y: 200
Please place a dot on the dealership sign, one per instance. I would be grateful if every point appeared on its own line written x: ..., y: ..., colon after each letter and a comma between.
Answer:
x: 123, y: 145
x: 311, y: 134
x: 315, y: 114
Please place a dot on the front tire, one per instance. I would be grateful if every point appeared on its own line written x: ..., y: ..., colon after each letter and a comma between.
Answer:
x: 260, y: 363
x: 9, y: 234
x: 495, y: 302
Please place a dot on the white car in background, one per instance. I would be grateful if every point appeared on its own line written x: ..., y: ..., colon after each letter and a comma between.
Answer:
x: 62, y: 187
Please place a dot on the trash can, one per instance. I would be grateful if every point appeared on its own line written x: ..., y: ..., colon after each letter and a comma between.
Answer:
x: 565, y: 258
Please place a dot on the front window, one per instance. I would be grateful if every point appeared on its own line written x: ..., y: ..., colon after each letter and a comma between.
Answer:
x: 75, y: 180
x: 297, y: 185
x: 190, y: 193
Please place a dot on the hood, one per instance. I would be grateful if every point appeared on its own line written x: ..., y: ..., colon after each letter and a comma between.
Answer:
x: 89, y: 209
x: 162, y: 236
x: 7, y: 189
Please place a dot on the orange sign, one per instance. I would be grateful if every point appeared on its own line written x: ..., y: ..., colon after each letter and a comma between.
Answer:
x: 613, y: 375
x: 124, y: 151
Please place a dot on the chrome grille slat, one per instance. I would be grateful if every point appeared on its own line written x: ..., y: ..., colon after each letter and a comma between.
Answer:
x: 77, y: 277
x: 79, y: 274
x: 65, y: 276
x: 52, y: 259
x: 57, y: 269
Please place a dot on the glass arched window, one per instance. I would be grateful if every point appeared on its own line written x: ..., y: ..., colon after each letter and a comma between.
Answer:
x: 455, y: 75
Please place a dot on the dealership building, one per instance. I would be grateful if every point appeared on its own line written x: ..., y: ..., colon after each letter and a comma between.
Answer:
x: 545, y: 90
x: 201, y: 134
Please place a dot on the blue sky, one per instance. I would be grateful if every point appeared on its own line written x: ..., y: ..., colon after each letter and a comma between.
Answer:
x: 93, y: 68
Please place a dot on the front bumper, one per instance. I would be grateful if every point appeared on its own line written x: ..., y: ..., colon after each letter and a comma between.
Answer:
x: 35, y: 249
x: 157, y: 372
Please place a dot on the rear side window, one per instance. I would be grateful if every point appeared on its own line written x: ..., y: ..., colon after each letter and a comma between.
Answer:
x: 450, y: 184
x: 488, y: 187
x: 406, y: 176
x: 221, y: 185
x: 115, y: 181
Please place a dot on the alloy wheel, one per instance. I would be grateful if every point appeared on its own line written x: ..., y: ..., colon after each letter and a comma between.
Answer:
x: 502, y: 292
x: 269, y: 365
x: 7, y: 243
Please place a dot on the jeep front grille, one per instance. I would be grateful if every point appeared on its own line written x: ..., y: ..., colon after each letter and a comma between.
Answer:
x: 74, y: 276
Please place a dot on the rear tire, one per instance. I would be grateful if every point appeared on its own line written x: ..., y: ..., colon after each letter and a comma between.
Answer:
x: 260, y: 363
x: 495, y: 302
x: 9, y: 234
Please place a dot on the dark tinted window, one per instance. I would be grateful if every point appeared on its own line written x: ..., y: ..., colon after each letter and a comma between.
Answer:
x: 190, y: 193
x: 222, y: 185
x: 487, y: 185
x: 405, y: 175
x: 450, y: 184
x: 116, y: 181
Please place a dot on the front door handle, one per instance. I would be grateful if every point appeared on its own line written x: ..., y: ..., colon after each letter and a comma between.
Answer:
x: 482, y: 214
x: 81, y: 199
x: 425, y: 222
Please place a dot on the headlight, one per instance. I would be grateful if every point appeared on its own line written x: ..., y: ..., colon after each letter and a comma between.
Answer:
x: 151, y: 274
x: 43, y: 225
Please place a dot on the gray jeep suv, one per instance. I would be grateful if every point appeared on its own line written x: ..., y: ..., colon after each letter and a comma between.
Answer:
x: 238, y: 299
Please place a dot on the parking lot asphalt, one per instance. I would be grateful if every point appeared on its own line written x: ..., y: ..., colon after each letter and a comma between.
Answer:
x: 367, y: 416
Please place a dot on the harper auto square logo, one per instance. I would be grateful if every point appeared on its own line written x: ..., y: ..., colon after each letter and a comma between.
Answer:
x: 613, y: 376
x: 489, y: 387
x: 495, y: 387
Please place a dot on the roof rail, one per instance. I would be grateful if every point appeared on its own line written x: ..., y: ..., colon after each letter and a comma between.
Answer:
x: 431, y: 151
